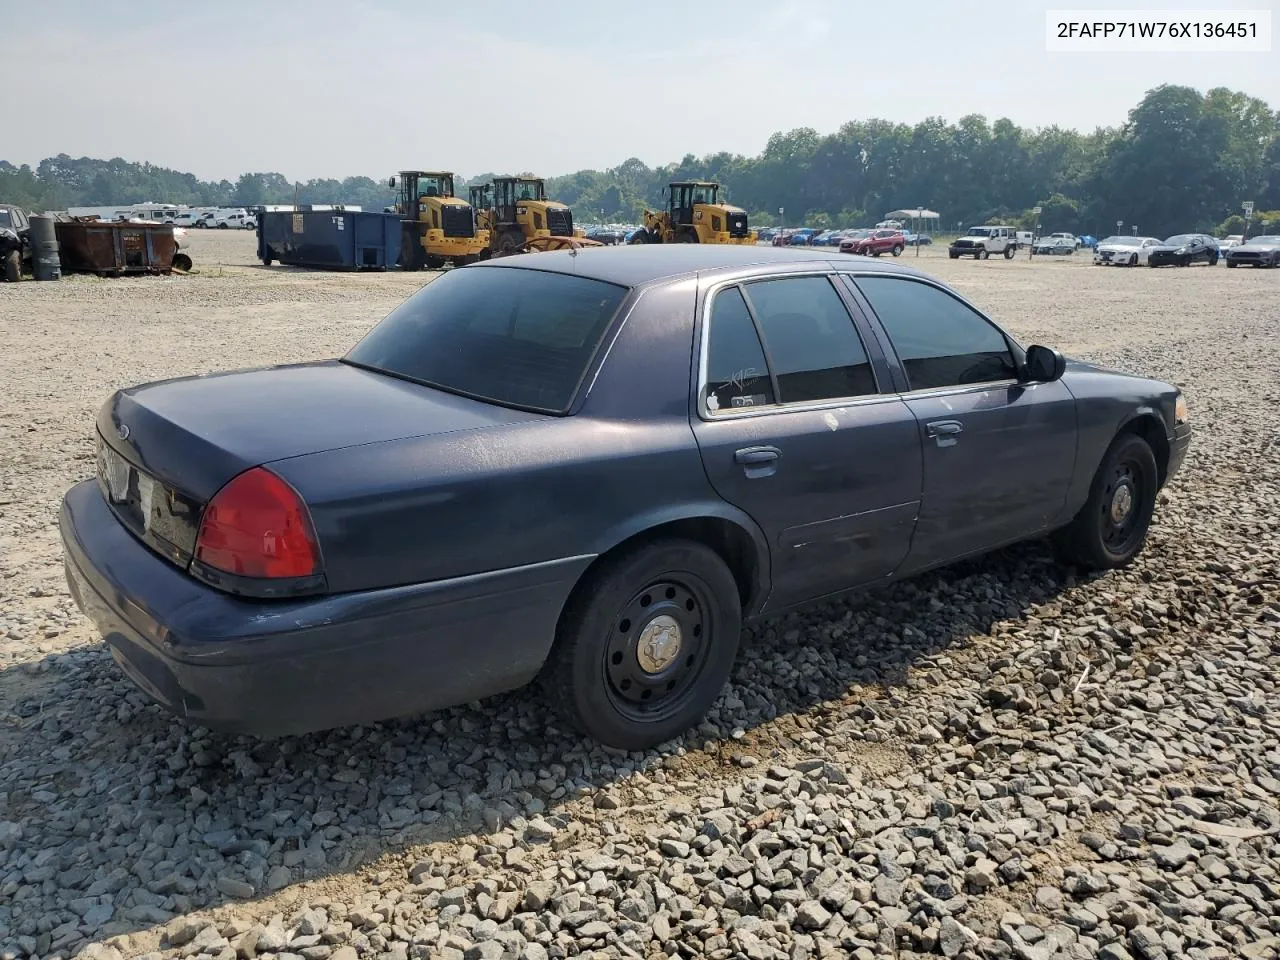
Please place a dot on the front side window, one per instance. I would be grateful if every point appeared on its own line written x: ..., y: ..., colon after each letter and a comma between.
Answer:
x: 940, y: 341
x: 513, y: 336
x: 810, y: 348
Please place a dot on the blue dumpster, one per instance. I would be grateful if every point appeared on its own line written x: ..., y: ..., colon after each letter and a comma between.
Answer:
x: 330, y: 239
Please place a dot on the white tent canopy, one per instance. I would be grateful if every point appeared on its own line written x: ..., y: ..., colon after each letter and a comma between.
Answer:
x: 920, y: 219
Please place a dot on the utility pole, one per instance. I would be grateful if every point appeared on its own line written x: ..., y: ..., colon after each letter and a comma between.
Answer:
x: 1035, y: 216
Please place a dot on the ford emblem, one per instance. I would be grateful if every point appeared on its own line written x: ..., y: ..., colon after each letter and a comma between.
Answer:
x: 122, y: 431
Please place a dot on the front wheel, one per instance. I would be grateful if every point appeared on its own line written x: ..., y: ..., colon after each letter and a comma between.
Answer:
x: 983, y: 254
x: 1232, y: 263
x: 953, y: 256
x: 1111, y: 527
x: 1133, y: 259
x: 897, y: 251
x: 13, y: 266
x: 646, y: 644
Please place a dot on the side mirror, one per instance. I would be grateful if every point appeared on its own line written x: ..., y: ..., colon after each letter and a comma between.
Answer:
x: 391, y: 184
x: 1043, y: 365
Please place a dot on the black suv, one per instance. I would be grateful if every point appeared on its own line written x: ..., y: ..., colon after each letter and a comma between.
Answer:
x: 15, y: 241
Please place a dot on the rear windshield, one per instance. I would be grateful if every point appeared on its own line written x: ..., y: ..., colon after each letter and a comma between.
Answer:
x: 523, y: 338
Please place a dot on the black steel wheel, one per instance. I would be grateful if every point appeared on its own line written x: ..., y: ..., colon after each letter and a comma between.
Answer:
x: 646, y: 644
x: 1111, y: 527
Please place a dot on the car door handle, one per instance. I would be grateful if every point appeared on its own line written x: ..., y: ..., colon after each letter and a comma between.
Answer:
x: 944, y: 431
x: 756, y: 456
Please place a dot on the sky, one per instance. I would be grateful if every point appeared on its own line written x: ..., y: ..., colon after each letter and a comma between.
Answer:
x: 334, y: 88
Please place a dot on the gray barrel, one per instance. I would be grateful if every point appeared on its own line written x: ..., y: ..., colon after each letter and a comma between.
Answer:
x: 46, y: 263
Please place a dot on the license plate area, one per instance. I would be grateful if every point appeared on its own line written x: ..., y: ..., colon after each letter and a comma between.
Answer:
x: 160, y: 516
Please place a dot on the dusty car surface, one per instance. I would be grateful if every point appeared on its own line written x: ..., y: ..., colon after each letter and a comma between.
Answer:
x: 589, y: 466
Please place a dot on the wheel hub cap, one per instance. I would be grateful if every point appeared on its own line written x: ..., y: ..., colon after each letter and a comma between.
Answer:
x: 1121, y: 504
x: 659, y: 644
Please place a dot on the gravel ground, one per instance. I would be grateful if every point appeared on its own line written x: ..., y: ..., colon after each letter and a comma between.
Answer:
x: 999, y: 760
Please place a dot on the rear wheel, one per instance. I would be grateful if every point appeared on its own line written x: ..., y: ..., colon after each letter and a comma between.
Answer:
x: 646, y: 644
x: 182, y: 262
x: 509, y: 243
x: 1009, y: 252
x: 897, y: 251
x: 1213, y: 260
x: 639, y: 236
x: 13, y: 266
x: 1111, y: 527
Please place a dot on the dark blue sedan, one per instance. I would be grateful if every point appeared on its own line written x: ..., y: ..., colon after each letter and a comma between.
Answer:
x: 590, y: 466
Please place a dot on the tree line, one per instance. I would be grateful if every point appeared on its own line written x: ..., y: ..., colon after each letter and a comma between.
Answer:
x: 1183, y: 161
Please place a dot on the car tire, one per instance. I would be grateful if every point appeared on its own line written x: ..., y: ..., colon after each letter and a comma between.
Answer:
x: 633, y: 695
x: 1111, y: 527
x: 953, y: 256
x: 1133, y: 259
x: 982, y: 253
x: 1232, y: 263
x: 1009, y: 252
x: 897, y: 251
x: 1213, y: 261
x: 13, y: 266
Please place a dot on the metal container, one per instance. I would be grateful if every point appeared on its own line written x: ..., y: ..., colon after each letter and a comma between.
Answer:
x: 330, y: 239
x: 110, y: 249
x: 45, y: 261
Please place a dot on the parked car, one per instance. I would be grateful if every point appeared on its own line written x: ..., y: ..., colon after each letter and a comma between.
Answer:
x: 1261, y: 251
x: 1184, y: 250
x: 15, y: 242
x: 982, y: 242
x: 329, y: 543
x: 920, y: 240
x: 609, y: 236
x: 1054, y: 246
x: 1024, y: 238
x: 238, y: 221
x: 1075, y: 241
x: 800, y: 237
x: 851, y: 238
x: 1088, y: 241
x: 766, y: 235
x: 1229, y: 241
x: 875, y: 243
x: 1126, y: 251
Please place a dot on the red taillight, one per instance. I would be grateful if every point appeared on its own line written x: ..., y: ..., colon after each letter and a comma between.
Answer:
x: 258, y: 526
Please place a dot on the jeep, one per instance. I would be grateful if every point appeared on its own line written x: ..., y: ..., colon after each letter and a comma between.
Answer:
x: 982, y: 242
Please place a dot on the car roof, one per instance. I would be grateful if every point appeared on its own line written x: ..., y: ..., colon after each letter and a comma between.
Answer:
x: 635, y: 265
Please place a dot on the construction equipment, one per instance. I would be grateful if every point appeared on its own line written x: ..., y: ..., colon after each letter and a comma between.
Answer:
x: 694, y: 214
x: 520, y: 219
x: 436, y: 226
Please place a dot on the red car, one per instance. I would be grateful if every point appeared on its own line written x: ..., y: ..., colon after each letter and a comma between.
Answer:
x: 875, y: 243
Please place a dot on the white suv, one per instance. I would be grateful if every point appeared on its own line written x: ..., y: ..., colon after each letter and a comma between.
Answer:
x: 982, y: 242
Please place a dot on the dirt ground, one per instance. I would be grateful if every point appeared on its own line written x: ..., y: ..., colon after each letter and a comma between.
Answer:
x: 64, y: 347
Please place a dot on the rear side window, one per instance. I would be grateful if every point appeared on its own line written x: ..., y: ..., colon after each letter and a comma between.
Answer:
x: 940, y: 341
x: 810, y: 348
x: 512, y: 336
x: 737, y: 374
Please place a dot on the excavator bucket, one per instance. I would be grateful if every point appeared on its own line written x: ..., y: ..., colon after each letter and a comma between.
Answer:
x: 545, y: 244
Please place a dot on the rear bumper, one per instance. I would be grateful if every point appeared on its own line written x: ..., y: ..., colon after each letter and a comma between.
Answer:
x: 270, y: 668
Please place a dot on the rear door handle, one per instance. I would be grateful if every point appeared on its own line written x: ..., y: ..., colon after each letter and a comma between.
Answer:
x: 758, y: 462
x: 944, y: 431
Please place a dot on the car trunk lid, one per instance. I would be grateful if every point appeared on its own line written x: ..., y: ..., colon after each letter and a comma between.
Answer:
x: 164, y: 449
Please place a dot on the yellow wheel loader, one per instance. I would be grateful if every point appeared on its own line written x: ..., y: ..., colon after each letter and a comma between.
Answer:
x: 436, y: 227
x: 520, y: 219
x: 694, y: 214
